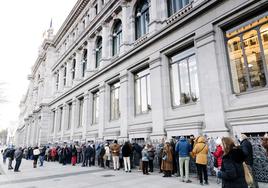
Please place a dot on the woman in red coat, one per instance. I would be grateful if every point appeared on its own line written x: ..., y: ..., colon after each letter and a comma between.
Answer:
x: 218, y: 156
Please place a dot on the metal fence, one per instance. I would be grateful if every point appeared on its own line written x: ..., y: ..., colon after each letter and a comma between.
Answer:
x: 260, y: 160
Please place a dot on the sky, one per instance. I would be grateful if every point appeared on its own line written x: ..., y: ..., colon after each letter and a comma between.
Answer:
x: 23, y: 23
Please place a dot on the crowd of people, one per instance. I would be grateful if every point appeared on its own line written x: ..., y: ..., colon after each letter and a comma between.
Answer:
x: 232, y: 163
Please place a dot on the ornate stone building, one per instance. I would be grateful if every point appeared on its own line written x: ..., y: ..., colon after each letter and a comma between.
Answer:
x: 138, y: 69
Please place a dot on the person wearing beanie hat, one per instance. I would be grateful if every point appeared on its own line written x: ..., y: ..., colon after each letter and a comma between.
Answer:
x: 218, y: 156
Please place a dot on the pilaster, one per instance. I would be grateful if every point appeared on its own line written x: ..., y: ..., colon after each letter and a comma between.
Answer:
x: 210, y: 90
x: 101, y: 110
x: 123, y: 105
x: 158, y: 112
x: 85, y: 118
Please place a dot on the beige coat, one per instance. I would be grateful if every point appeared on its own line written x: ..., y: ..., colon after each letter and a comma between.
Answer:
x: 167, y: 165
x: 200, y: 151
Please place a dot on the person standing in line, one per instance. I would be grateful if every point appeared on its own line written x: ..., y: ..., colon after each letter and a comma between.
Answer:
x: 201, y: 152
x: 151, y: 152
x: 74, y: 155
x: 145, y: 160
x: 159, y: 152
x: 183, y: 149
x: 265, y: 143
x: 18, y: 157
x: 115, y: 149
x: 248, y: 151
x: 84, y: 155
x: 232, y: 170
x: 10, y: 156
x: 36, y: 153
x: 218, y: 156
x: 79, y: 153
x: 126, y: 152
x: 53, y: 154
x: 167, y: 160
x: 107, y: 155
x: 42, y: 155
x: 4, y: 155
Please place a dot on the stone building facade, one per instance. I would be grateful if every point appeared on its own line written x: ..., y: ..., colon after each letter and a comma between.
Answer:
x: 144, y: 69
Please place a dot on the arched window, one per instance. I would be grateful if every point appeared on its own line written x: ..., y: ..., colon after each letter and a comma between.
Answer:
x: 117, y: 37
x: 84, y: 62
x: 175, y: 5
x: 142, y: 18
x: 98, y: 51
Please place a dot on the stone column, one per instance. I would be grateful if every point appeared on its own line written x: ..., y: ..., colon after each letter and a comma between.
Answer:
x: 101, y: 111
x: 55, y: 121
x: 158, y: 112
x: 64, y: 120
x: 123, y: 103
x: 61, y: 72
x: 54, y: 89
x: 78, y: 68
x: 209, y: 81
x: 74, y: 122
x: 69, y: 74
x: 155, y: 16
x: 126, y: 15
x: 91, y: 59
x: 85, y: 118
x: 105, y: 44
x: 99, y: 5
x: 92, y: 12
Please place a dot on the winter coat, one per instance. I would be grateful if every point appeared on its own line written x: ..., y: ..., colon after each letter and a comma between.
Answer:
x: 200, y: 151
x: 89, y: 151
x: 248, y: 151
x: 18, y: 154
x: 74, y: 151
x: 232, y: 171
x: 151, y: 152
x: 167, y: 165
x: 53, y: 152
x: 183, y: 148
x: 145, y: 155
x: 126, y: 150
x: 218, y: 155
x: 115, y: 149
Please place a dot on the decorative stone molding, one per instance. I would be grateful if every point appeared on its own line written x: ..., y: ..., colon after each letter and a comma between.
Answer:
x: 180, y: 14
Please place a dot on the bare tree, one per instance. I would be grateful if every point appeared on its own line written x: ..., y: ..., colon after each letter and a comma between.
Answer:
x: 2, y: 93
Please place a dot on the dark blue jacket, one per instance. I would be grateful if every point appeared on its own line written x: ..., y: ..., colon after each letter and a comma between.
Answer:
x: 183, y: 148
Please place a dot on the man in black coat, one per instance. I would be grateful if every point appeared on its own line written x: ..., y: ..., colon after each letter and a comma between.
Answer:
x: 18, y: 157
x: 10, y: 156
x: 248, y: 152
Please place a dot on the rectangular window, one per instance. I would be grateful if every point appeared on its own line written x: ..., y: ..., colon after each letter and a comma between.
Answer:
x: 60, y: 118
x: 175, y: 5
x: 84, y: 63
x: 70, y: 108
x: 142, y: 92
x: 81, y: 104
x: 114, y: 106
x: 73, y: 69
x: 95, y: 108
x: 184, y: 77
x: 248, y: 55
x: 57, y: 81
x: 64, y: 76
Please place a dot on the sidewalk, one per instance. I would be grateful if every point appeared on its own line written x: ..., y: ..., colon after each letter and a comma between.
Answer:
x: 55, y: 175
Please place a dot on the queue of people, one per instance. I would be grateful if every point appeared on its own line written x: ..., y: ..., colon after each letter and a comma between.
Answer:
x: 231, y: 162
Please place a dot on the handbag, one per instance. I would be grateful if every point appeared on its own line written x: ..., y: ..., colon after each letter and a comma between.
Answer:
x: 248, y: 175
x: 164, y: 158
